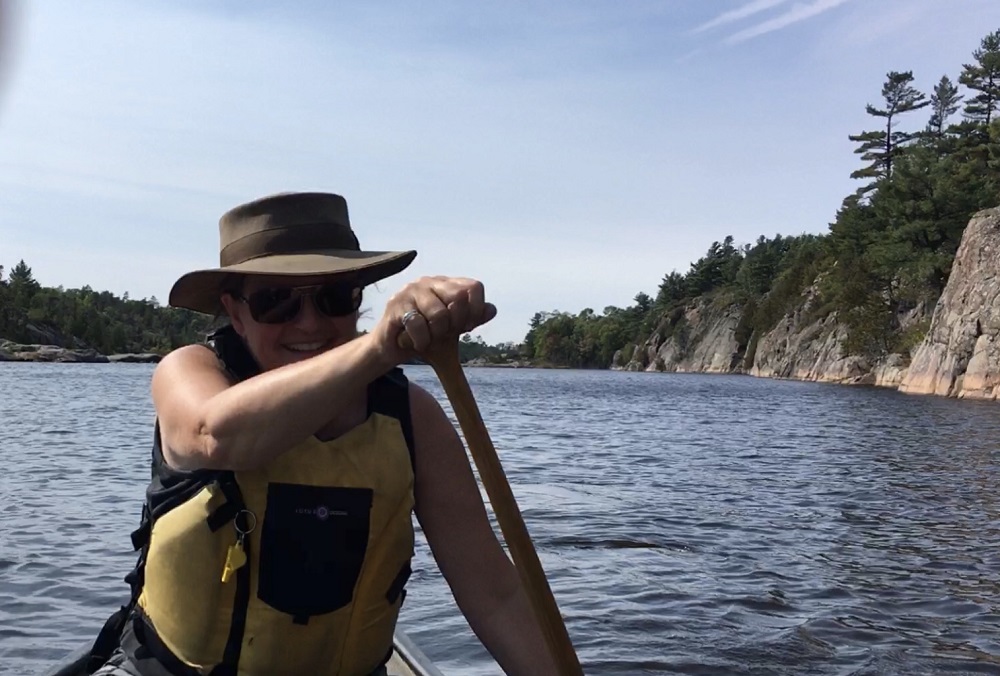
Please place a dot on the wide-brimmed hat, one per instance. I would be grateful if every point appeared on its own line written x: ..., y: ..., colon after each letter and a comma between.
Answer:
x: 295, y: 234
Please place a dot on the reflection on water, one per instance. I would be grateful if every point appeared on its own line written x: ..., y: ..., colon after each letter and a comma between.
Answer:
x: 688, y: 524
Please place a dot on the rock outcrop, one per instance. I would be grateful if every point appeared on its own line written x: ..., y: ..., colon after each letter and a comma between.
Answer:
x: 48, y: 353
x: 808, y: 351
x: 10, y: 351
x: 702, y: 339
x: 960, y: 355
x: 800, y: 347
x: 141, y: 358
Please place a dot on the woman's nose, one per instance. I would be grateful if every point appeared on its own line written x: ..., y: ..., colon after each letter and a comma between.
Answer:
x: 309, y: 315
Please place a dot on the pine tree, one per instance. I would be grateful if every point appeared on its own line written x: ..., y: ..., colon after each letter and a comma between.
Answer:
x: 22, y: 284
x: 983, y: 76
x: 881, y: 147
x: 6, y: 305
x: 944, y: 103
x: 673, y: 289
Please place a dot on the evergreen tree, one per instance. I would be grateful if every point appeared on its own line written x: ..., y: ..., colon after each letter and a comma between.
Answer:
x: 983, y: 77
x: 881, y: 147
x: 760, y: 265
x: 22, y: 282
x: 673, y: 289
x: 717, y: 268
x: 944, y: 103
x: 6, y: 305
x: 643, y: 302
x: 993, y: 162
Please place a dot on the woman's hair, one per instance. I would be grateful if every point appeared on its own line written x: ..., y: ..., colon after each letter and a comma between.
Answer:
x: 231, y: 284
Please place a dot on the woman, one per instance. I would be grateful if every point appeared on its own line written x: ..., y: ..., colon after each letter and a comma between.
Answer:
x: 288, y: 456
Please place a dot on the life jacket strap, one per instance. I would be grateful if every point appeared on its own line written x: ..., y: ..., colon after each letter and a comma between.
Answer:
x: 145, y: 650
x: 234, y: 643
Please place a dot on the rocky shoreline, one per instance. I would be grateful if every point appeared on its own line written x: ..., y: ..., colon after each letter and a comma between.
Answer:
x: 514, y: 364
x: 958, y: 355
x: 18, y: 352
x: 40, y: 353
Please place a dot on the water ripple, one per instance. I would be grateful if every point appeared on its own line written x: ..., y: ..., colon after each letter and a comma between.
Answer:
x: 688, y: 524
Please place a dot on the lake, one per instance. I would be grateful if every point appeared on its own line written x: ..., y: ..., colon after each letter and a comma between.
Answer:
x: 688, y: 524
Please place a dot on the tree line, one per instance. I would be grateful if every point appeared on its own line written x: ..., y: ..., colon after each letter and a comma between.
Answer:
x: 929, y: 162
x: 84, y: 318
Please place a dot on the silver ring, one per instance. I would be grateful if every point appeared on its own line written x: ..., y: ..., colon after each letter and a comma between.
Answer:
x: 408, y: 315
x: 252, y: 518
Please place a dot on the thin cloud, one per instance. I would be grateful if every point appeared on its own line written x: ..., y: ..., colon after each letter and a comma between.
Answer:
x: 689, y: 55
x: 794, y: 15
x: 743, y: 12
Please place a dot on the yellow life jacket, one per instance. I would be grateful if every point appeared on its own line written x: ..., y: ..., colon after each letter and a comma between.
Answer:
x: 327, y: 533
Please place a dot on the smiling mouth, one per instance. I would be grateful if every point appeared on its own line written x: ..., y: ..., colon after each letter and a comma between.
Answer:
x: 306, y: 347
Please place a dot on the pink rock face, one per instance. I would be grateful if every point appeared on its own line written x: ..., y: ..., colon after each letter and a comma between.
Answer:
x: 960, y: 355
x: 982, y: 377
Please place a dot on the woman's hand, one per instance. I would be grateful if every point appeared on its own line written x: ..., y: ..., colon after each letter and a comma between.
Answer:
x: 431, y: 309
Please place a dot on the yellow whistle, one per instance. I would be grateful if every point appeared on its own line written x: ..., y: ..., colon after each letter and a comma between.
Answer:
x: 236, y: 558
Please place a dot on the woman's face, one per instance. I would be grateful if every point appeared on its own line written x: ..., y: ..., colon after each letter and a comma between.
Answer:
x: 307, y: 334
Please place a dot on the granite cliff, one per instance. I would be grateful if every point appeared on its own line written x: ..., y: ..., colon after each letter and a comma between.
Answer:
x: 959, y: 354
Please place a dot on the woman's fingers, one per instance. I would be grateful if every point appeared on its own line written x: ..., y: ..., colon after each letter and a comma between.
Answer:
x: 468, y: 306
x: 489, y: 312
x: 416, y: 327
x: 458, y: 313
x: 476, y: 295
x: 433, y: 308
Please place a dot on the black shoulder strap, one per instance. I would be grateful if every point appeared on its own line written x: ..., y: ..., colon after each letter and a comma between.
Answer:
x: 233, y: 352
x: 167, y: 490
x: 390, y: 395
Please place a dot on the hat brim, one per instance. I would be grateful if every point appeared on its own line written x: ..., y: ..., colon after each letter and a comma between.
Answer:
x: 200, y: 290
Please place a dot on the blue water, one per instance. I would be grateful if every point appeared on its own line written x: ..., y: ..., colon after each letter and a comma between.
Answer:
x: 688, y: 524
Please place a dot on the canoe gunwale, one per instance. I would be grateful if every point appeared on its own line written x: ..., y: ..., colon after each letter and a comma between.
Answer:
x: 412, y: 656
x: 404, y: 650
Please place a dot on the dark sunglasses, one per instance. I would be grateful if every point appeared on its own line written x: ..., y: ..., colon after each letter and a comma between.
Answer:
x: 283, y: 304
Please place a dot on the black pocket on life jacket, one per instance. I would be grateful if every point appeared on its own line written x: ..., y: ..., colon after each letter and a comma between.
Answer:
x: 313, y: 542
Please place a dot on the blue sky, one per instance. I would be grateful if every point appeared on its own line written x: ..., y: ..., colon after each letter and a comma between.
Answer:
x: 568, y: 154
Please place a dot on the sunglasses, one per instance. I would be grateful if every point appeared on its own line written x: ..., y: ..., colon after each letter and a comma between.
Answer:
x: 282, y: 304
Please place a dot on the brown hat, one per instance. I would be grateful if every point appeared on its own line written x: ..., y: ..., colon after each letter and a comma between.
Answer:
x: 294, y: 234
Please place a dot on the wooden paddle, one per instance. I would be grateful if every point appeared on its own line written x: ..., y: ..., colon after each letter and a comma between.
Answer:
x: 443, y: 358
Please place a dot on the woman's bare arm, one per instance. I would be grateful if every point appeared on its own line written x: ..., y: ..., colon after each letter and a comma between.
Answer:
x: 483, y: 580
x: 208, y: 422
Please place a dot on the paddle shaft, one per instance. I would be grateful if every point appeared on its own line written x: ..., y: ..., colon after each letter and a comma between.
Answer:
x: 443, y: 358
